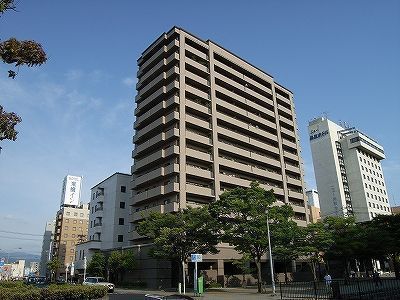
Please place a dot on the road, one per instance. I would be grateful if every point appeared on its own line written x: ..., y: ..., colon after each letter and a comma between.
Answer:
x: 225, y: 294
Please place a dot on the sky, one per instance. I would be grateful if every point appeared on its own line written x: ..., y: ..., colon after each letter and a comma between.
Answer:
x: 339, y: 58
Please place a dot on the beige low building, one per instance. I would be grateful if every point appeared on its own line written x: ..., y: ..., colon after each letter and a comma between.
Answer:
x: 71, y: 229
x: 208, y: 121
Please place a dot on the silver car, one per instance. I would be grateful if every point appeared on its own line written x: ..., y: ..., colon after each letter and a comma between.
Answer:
x: 99, y: 281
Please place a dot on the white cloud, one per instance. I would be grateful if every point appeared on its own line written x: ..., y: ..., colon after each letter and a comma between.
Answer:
x: 74, y: 74
x: 129, y: 81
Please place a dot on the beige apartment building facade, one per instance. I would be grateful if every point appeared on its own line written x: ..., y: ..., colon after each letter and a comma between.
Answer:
x: 208, y: 121
x: 71, y: 229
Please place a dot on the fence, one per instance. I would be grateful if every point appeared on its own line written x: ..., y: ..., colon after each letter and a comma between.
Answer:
x: 354, y: 289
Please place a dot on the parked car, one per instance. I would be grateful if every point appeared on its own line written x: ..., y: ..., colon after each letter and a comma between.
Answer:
x: 99, y: 281
x: 170, y: 297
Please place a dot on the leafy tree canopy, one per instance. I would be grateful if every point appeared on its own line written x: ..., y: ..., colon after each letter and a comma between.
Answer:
x: 97, y: 264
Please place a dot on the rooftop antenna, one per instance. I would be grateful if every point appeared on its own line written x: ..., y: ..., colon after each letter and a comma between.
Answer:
x: 325, y: 114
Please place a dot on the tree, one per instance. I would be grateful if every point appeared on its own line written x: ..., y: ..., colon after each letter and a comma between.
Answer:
x: 242, y: 214
x: 316, y: 241
x: 286, y: 237
x: 177, y: 235
x: 97, y: 265
x: 119, y: 262
x: 348, y: 240
x: 7, y: 125
x: 53, y: 265
x: 243, y: 264
x: 384, y: 236
x: 17, y: 53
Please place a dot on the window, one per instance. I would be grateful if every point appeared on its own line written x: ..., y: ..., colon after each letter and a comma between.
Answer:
x: 66, y: 227
x: 76, y: 214
x: 66, y: 235
x: 120, y: 238
x: 123, y: 189
x: 80, y: 221
x: 71, y: 250
x: 92, y: 209
x: 91, y: 224
x: 73, y: 235
x: 81, y: 215
x: 122, y: 205
x: 74, y: 228
x: 75, y: 221
x: 67, y: 213
x: 121, y: 221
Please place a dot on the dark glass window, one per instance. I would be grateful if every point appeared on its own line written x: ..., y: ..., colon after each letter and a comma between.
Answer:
x: 123, y: 189
x: 122, y: 205
x: 120, y: 238
x: 121, y: 221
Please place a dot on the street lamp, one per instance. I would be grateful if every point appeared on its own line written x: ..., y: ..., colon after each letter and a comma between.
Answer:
x: 271, y: 264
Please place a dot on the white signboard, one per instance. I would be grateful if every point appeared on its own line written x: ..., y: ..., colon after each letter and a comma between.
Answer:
x: 196, y: 257
x: 71, y: 190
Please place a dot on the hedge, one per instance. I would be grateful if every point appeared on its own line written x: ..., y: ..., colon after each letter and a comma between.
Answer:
x: 20, y: 291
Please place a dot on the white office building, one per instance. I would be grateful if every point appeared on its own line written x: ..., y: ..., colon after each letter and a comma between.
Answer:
x: 348, y: 171
x: 108, y: 218
x: 48, y: 237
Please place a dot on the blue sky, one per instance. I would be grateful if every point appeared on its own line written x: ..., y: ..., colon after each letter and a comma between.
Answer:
x: 338, y: 57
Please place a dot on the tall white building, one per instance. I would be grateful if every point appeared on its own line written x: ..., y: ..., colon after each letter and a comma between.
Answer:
x: 348, y: 171
x: 108, y: 218
x: 312, y: 198
x: 48, y: 237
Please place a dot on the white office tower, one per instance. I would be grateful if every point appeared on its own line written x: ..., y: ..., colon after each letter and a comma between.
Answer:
x: 48, y: 238
x: 348, y: 171
x: 312, y: 198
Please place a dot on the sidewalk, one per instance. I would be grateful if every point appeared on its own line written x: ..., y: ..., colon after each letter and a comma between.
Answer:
x: 215, y: 293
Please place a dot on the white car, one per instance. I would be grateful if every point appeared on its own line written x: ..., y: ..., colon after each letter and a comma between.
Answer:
x: 99, y: 281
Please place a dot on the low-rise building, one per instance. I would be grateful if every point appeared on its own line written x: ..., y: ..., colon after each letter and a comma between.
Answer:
x: 108, y: 219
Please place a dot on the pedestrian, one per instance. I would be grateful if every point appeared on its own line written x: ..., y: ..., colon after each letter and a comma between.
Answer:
x: 328, y: 280
x: 377, y: 278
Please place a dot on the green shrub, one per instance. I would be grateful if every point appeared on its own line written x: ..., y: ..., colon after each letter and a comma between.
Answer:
x: 17, y: 291
x: 213, y: 284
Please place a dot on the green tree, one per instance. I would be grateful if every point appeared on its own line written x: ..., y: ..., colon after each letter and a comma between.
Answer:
x: 242, y: 214
x: 348, y: 240
x: 286, y: 237
x: 97, y: 265
x: 243, y: 264
x: 53, y: 266
x: 119, y: 262
x: 177, y: 235
x: 384, y: 236
x: 17, y: 53
x: 316, y: 241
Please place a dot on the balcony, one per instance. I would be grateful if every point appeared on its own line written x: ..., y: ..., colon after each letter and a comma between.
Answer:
x: 198, y: 155
x: 283, y: 99
x: 198, y: 122
x: 199, y: 172
x: 251, y: 104
x: 146, y: 212
x: 240, y: 75
x: 286, y: 121
x: 198, y: 107
x: 198, y: 138
x: 100, y: 208
x: 97, y: 224
x: 199, y: 190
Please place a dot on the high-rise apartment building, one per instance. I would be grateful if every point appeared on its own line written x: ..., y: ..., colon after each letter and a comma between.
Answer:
x: 206, y: 121
x: 348, y: 171
x: 71, y: 228
x: 48, y: 238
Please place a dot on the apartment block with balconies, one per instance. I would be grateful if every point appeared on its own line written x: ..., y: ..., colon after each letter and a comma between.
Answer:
x: 208, y: 121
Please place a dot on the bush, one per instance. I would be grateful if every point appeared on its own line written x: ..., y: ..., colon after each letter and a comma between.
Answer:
x: 213, y: 284
x: 19, y: 291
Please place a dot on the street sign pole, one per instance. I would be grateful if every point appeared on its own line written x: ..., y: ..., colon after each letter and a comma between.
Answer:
x: 195, y: 277
x: 84, y: 268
